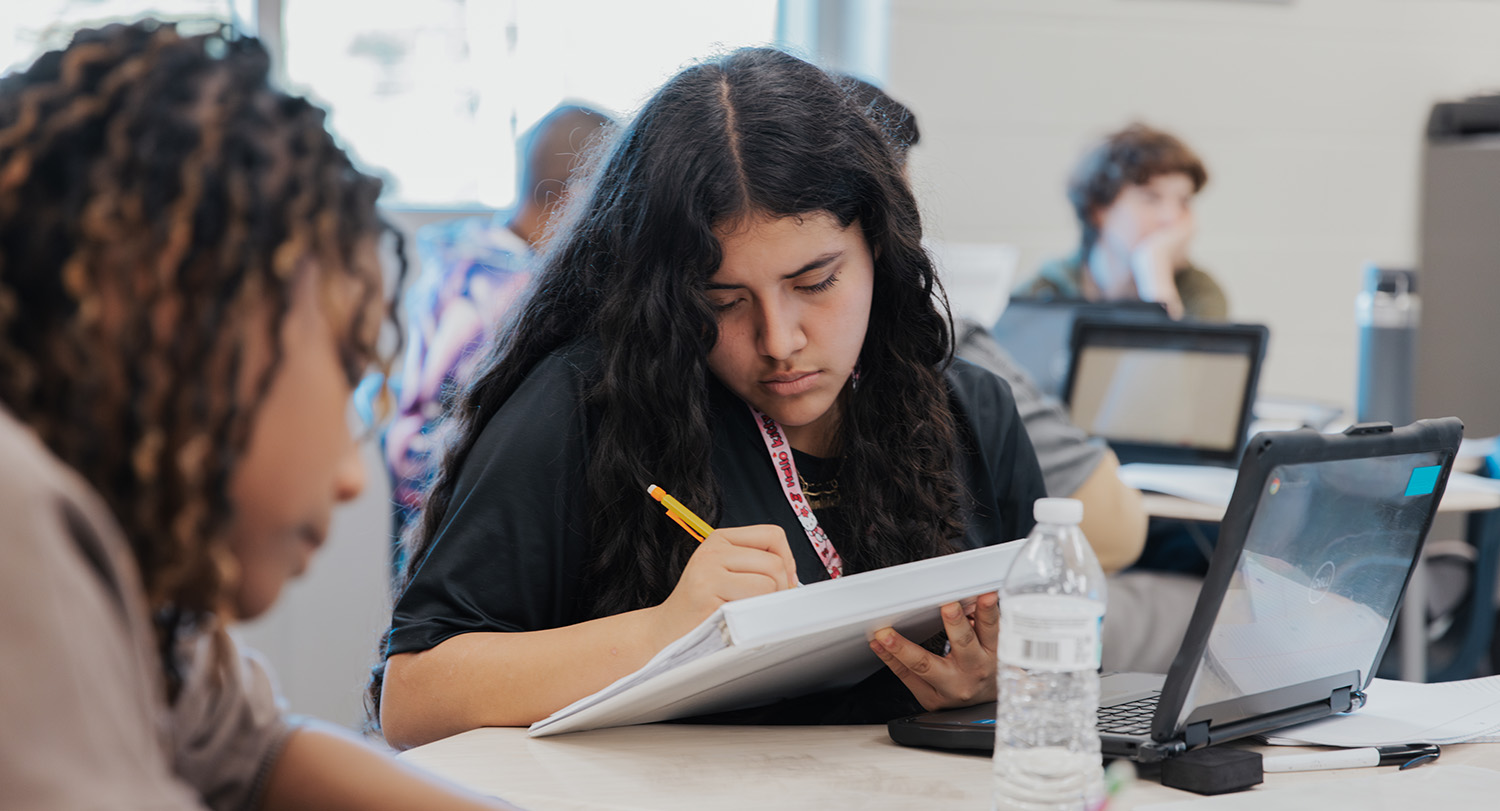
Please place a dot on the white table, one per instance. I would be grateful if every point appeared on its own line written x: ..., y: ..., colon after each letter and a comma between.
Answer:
x: 664, y: 767
x: 1456, y: 499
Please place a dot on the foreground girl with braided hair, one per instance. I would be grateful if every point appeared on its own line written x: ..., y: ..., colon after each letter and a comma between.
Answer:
x: 188, y: 291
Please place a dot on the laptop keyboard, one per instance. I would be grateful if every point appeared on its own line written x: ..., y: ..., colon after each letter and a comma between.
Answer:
x: 1130, y: 718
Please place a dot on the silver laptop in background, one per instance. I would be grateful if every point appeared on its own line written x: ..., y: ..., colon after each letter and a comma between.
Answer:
x: 1166, y: 392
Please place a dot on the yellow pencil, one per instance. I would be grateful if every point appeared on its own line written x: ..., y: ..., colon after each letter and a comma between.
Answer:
x: 695, y: 526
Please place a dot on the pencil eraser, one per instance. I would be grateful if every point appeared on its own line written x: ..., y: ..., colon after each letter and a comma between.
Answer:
x: 1214, y: 770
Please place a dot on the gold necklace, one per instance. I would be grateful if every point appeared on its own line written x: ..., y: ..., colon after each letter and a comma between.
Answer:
x: 825, y: 494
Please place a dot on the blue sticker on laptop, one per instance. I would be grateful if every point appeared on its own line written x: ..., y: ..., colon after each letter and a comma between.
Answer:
x: 1423, y: 480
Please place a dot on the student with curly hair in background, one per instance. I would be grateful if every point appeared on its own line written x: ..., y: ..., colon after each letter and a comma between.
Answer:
x: 1133, y: 196
x: 188, y: 291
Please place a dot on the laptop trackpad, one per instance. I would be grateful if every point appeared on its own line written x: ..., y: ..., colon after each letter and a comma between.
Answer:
x: 1119, y: 688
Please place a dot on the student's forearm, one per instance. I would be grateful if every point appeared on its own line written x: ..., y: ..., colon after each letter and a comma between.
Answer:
x: 512, y: 679
x: 322, y: 768
x: 1114, y: 518
x: 515, y: 679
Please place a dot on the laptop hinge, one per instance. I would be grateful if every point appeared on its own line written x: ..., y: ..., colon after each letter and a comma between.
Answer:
x: 1339, y: 700
x: 1195, y: 735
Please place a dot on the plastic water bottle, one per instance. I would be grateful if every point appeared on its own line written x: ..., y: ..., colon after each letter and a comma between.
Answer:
x: 1051, y: 610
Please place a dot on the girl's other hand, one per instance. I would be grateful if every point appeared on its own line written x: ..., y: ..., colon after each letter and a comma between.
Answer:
x: 966, y: 676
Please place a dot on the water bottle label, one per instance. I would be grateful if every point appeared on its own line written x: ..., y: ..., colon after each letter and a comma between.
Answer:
x: 1050, y: 632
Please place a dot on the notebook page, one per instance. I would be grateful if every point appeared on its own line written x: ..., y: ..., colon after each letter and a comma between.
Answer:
x: 762, y: 649
x: 878, y: 598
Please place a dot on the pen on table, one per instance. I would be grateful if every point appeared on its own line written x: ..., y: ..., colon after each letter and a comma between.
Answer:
x: 695, y: 526
x: 1406, y: 756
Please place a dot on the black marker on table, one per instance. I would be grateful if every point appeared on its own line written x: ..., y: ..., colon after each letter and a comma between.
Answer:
x: 1406, y: 756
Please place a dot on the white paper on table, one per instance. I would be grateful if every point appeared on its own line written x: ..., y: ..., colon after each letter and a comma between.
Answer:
x: 1478, y: 447
x: 1205, y: 484
x: 1398, y: 712
x: 1469, y: 483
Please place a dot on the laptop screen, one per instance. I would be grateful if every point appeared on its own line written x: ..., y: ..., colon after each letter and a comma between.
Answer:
x: 1321, y: 573
x: 1166, y: 392
x: 1038, y: 334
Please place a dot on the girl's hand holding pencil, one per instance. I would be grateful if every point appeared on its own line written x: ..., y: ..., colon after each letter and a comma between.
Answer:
x: 729, y: 564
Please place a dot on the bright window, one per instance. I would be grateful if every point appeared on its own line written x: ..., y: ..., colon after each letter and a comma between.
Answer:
x: 28, y: 28
x: 434, y: 93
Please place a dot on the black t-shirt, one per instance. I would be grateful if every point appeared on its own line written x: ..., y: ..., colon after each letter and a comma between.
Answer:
x: 511, y: 551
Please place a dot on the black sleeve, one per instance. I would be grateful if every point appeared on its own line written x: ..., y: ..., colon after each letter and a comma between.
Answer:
x: 511, y: 551
x: 999, y: 466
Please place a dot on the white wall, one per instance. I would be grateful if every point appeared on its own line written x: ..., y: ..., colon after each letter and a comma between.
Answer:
x: 1309, y: 114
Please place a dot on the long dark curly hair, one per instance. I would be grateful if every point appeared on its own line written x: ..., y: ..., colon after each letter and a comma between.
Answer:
x: 157, y: 199
x: 754, y: 132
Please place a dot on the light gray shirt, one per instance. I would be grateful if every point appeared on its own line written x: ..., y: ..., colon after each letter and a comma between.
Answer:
x: 84, y: 717
x: 1067, y: 454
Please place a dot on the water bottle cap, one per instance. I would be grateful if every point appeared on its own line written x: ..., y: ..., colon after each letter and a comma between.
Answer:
x: 1058, y: 510
x: 1387, y: 280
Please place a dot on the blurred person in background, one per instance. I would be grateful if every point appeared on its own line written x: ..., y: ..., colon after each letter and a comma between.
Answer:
x: 474, y: 271
x: 1133, y: 196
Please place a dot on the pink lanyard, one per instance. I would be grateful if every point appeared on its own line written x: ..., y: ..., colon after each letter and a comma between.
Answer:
x: 791, y: 487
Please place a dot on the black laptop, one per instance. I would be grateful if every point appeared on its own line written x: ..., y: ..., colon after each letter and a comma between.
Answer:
x: 1166, y: 392
x: 1298, y: 605
x: 1038, y: 333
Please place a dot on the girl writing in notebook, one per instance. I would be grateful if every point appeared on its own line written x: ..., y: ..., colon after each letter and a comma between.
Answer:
x: 188, y: 289
x: 744, y: 269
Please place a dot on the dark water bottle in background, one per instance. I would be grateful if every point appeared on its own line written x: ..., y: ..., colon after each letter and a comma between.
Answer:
x: 1387, y: 311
